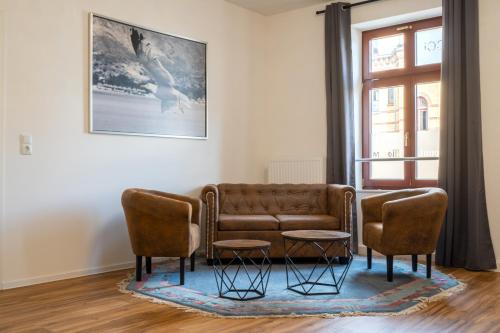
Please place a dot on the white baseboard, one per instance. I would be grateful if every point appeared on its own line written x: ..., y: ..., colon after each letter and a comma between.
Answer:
x: 66, y: 275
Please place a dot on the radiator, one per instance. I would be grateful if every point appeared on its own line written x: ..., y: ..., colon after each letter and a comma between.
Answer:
x: 296, y: 172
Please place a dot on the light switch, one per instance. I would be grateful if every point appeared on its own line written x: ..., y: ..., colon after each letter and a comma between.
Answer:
x: 26, y: 145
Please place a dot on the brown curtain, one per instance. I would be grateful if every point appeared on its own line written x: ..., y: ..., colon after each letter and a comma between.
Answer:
x: 465, y: 239
x: 339, y: 100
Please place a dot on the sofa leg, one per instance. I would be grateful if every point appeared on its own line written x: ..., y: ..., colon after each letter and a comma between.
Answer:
x: 429, y: 265
x: 148, y: 265
x: 182, y: 272
x: 193, y: 258
x: 390, y: 261
x: 369, y: 258
x: 138, y: 268
x: 414, y: 260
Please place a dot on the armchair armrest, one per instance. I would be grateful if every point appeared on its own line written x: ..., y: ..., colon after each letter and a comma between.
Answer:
x: 413, y: 224
x: 210, y: 196
x: 372, y: 206
x: 340, y: 199
x: 160, y: 207
x: 195, y: 203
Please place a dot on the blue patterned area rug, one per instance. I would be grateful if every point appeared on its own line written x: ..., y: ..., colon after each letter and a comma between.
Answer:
x: 364, y: 292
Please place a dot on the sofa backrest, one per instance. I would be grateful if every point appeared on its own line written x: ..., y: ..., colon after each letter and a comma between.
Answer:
x: 272, y: 199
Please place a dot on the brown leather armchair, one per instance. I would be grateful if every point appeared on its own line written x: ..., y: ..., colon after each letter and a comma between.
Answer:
x: 162, y: 225
x: 403, y: 222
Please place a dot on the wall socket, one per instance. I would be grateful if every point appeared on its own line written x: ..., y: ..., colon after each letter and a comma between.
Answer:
x: 26, y: 144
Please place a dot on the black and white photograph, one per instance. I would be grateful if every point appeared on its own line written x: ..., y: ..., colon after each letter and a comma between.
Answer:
x: 145, y: 82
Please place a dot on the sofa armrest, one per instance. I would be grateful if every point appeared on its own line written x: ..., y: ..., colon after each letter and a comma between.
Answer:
x: 340, y: 199
x: 210, y: 196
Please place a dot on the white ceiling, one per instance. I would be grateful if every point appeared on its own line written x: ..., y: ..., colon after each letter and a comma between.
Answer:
x: 271, y: 7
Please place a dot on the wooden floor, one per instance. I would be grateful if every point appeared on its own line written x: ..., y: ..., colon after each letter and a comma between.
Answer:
x: 93, y: 304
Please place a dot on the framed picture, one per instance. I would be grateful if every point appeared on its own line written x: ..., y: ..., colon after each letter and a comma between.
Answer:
x: 144, y: 82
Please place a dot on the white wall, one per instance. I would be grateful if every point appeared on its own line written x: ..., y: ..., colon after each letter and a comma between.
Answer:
x: 292, y: 125
x: 293, y: 122
x: 63, y: 215
x: 2, y: 148
x: 489, y: 49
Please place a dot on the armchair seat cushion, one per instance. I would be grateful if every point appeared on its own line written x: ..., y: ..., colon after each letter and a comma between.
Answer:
x: 372, y: 235
x: 194, y: 237
x: 308, y: 222
x: 247, y: 222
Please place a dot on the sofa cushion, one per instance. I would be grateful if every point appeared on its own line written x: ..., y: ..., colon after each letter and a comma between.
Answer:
x: 308, y: 222
x: 247, y: 222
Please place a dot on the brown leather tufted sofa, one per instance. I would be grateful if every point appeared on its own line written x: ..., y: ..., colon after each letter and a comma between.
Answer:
x: 406, y: 222
x: 256, y: 211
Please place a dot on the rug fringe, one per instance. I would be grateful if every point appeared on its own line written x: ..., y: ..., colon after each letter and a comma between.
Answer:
x: 122, y: 287
x: 424, y: 302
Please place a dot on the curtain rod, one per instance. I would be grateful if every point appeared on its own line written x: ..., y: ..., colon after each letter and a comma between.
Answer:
x: 349, y: 6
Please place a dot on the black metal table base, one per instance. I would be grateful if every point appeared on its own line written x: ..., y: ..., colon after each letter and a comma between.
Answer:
x: 255, y: 270
x: 324, y: 268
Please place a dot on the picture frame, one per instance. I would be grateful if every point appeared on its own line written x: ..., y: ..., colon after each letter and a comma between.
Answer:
x: 145, y: 83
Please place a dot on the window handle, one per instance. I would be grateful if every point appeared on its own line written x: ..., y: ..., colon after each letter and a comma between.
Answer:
x: 407, y: 135
x: 404, y: 27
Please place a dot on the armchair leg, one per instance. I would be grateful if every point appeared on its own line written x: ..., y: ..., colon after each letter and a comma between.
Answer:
x: 193, y: 258
x: 148, y: 265
x: 182, y: 272
x: 390, y: 261
x: 429, y: 265
x: 369, y: 258
x: 138, y: 268
x: 414, y: 259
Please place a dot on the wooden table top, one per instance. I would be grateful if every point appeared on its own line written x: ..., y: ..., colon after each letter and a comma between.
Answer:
x: 316, y: 235
x: 241, y: 244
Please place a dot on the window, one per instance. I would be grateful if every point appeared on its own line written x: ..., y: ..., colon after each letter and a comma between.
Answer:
x: 423, y: 114
x: 401, y: 103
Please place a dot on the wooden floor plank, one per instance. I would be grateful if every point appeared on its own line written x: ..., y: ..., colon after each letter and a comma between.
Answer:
x: 93, y: 304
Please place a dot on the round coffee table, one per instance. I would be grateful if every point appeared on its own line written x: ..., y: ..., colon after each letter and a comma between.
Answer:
x: 322, y: 274
x: 246, y: 274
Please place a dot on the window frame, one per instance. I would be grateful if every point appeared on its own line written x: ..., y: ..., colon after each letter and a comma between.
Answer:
x: 409, y: 77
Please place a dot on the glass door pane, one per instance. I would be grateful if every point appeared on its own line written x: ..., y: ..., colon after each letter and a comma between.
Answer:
x: 387, y: 131
x: 387, y: 53
x: 428, y: 46
x: 428, y: 106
